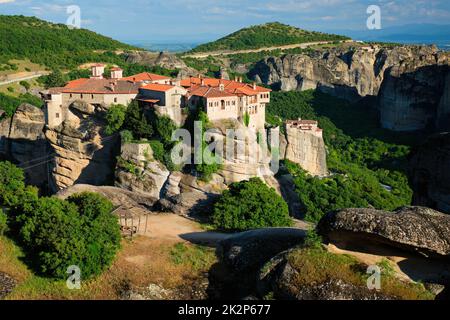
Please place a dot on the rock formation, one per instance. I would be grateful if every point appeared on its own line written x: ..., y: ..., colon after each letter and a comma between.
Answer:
x: 248, y: 251
x: 413, y: 229
x: 139, y: 172
x: 411, y: 81
x: 429, y: 173
x: 306, y: 147
x: 22, y: 141
x: 412, y: 96
x: 82, y: 154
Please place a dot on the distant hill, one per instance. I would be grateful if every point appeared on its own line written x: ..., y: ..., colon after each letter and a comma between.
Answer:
x: 52, y: 45
x: 266, y: 35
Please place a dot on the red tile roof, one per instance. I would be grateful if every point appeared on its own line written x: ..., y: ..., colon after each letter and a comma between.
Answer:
x: 209, y: 92
x: 101, y: 86
x: 146, y: 76
x: 232, y: 87
x: 158, y: 87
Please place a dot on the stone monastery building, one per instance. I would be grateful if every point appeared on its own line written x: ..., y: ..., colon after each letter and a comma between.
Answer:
x: 221, y: 99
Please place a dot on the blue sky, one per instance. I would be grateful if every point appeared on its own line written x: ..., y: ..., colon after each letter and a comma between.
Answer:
x: 202, y: 20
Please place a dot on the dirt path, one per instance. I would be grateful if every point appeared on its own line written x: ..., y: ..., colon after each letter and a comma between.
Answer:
x: 227, y: 53
x: 174, y: 227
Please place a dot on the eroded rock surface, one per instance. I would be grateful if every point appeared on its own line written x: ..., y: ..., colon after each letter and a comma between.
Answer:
x: 429, y: 172
x: 415, y: 229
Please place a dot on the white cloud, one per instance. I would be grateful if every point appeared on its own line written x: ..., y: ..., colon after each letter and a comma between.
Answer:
x: 6, y: 1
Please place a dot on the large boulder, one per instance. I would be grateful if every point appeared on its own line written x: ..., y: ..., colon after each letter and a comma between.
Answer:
x: 415, y: 229
x: 429, y: 173
x: 247, y: 251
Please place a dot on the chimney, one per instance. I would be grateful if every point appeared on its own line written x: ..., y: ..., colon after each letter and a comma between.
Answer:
x: 240, y: 79
x: 236, y: 78
x: 254, y: 85
x: 116, y: 73
x: 97, y: 71
x: 203, y: 81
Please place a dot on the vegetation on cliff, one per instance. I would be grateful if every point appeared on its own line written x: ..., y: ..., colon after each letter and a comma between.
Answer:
x: 367, y: 170
x: 266, y: 35
x: 9, y: 104
x: 250, y: 205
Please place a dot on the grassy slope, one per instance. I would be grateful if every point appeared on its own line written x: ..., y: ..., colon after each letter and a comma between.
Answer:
x: 139, y: 263
x: 52, y: 45
x: 318, y: 266
x: 266, y: 35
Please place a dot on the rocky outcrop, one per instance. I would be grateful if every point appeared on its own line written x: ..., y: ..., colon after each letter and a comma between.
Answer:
x: 248, y: 251
x: 429, y: 173
x: 412, y: 82
x: 119, y: 197
x: 82, y: 154
x: 413, y: 95
x: 163, y: 59
x: 7, y: 284
x: 184, y: 194
x: 139, y: 172
x: 415, y: 229
x: 306, y: 148
x: 22, y: 141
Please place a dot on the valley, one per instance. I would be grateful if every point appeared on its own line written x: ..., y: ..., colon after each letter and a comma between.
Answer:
x: 86, y: 143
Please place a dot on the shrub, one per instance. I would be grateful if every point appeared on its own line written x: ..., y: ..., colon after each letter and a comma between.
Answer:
x: 165, y: 127
x: 11, y: 184
x: 136, y: 122
x: 25, y: 84
x: 80, y: 231
x: 3, y: 222
x: 313, y: 239
x: 250, y: 205
x: 10, y: 89
x: 115, y: 117
x: 127, y: 136
x: 102, y: 231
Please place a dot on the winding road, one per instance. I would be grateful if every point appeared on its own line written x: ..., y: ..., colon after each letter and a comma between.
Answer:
x: 305, y: 45
x: 17, y: 77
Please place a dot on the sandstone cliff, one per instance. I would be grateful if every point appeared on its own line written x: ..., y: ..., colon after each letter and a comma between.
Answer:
x: 139, y: 172
x: 306, y: 149
x: 82, y: 154
x: 411, y: 81
x: 22, y: 141
x: 429, y: 172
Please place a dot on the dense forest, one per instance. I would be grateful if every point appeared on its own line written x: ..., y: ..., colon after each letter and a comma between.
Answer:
x: 53, y: 45
x: 367, y: 164
x: 266, y: 35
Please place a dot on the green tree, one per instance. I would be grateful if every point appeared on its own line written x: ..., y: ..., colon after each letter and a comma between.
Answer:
x: 136, y: 122
x: 11, y: 184
x: 165, y: 127
x: 25, y: 84
x: 210, y: 162
x: 55, y: 79
x: 115, y: 117
x: 102, y: 231
x: 250, y: 205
